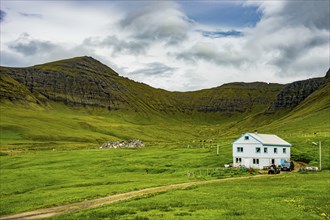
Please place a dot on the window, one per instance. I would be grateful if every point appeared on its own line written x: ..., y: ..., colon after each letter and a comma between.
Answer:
x: 265, y: 150
x: 284, y: 150
x: 246, y: 138
x: 255, y: 161
x: 273, y: 161
x: 275, y: 150
x: 258, y: 150
x: 238, y: 160
x: 240, y: 149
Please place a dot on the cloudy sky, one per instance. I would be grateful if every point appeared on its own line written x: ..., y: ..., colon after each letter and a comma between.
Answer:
x: 174, y: 45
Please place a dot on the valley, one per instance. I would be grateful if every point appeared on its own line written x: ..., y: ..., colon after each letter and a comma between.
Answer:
x: 55, y: 116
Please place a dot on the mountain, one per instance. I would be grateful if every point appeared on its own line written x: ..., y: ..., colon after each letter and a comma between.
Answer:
x: 85, y: 81
x: 81, y: 100
x: 77, y: 81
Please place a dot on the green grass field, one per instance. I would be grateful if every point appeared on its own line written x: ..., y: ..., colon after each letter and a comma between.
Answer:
x: 287, y: 196
x: 45, y: 178
x: 37, y: 179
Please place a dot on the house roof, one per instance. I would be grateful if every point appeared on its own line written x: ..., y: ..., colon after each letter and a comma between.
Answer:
x: 268, y: 139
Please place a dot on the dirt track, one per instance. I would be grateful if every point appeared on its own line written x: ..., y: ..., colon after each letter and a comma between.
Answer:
x: 63, y: 209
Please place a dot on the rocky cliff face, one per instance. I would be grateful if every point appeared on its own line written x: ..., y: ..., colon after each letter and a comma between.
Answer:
x: 84, y: 81
x: 294, y: 93
x: 232, y: 97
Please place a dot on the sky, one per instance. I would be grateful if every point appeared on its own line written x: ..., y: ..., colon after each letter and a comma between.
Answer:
x: 174, y: 45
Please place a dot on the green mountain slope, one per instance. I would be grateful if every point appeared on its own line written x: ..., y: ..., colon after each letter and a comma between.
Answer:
x: 85, y: 81
x: 82, y: 102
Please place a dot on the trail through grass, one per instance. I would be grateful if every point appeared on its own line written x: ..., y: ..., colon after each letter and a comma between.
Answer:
x: 60, y: 210
x: 38, y: 179
x: 285, y: 196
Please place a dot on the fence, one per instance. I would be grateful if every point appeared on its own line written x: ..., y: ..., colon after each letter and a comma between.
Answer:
x: 217, y: 172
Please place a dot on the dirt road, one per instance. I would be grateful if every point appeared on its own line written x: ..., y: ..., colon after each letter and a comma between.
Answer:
x: 63, y: 209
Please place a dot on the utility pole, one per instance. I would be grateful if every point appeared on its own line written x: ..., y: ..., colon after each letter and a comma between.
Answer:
x: 320, y: 149
x: 320, y: 153
x: 217, y: 149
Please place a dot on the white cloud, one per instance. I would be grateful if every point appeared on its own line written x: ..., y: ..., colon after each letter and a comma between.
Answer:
x: 26, y: 46
x: 118, y: 46
x: 61, y: 22
x: 161, y: 21
x: 288, y: 33
x: 164, y: 48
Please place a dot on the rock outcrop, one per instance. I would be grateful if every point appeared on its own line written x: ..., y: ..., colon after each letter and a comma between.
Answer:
x: 82, y: 81
x: 230, y: 98
x: 294, y: 93
x: 135, y: 143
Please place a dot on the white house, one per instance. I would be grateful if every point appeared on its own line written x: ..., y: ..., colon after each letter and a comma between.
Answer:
x: 259, y: 150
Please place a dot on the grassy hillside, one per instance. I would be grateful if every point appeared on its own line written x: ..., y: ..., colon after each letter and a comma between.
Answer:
x: 61, y: 127
x: 80, y: 102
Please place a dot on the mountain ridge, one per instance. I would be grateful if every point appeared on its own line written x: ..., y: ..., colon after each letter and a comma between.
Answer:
x: 85, y: 81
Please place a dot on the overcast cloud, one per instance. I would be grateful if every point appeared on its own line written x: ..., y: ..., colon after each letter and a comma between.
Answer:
x: 2, y: 15
x: 183, y: 45
x: 155, y: 69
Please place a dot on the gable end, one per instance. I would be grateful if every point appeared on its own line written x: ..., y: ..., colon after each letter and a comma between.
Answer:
x: 247, y: 134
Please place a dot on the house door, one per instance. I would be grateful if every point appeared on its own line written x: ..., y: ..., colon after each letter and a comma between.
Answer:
x: 246, y: 162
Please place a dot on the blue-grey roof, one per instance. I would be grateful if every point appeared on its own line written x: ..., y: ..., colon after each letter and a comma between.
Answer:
x: 269, y: 139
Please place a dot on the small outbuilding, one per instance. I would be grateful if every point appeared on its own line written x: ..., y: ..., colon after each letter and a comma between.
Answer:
x: 259, y: 150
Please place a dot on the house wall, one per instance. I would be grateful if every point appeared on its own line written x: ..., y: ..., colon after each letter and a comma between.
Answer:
x: 265, y: 158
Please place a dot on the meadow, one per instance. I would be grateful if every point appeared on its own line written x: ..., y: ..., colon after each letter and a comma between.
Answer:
x: 286, y: 196
x: 46, y: 178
